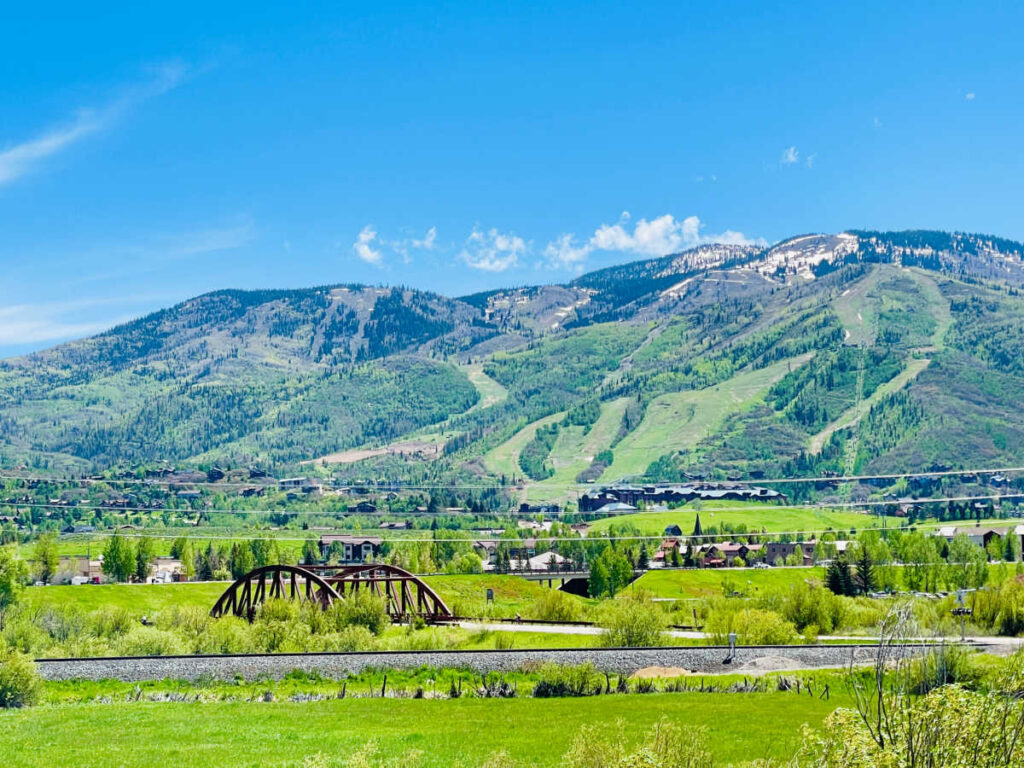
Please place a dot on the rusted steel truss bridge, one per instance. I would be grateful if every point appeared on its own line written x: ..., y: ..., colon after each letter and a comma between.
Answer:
x: 405, y: 594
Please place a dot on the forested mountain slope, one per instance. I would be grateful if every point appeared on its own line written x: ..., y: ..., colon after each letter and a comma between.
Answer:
x: 861, y: 351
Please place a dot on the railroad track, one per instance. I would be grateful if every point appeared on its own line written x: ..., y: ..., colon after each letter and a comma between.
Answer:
x: 698, y: 659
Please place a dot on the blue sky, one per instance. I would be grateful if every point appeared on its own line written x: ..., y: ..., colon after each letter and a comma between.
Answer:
x: 151, y: 154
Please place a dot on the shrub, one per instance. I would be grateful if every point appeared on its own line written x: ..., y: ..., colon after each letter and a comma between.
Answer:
x: 189, y: 621
x: 149, y: 641
x: 557, y: 681
x: 753, y: 626
x: 666, y: 745
x: 62, y: 623
x: 804, y: 604
x: 22, y: 634
x: 225, y: 635
x: 631, y: 621
x: 362, y: 609
x: 351, y: 638
x: 278, y: 610
x: 1002, y: 608
x: 556, y: 606
x: 112, y: 622
x: 950, y: 726
x: 942, y: 665
x: 20, y: 684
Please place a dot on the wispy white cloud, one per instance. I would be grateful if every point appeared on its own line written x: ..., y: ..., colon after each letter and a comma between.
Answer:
x: 427, y: 242
x: 969, y: 96
x: 211, y: 240
x: 370, y: 246
x: 492, y: 251
x: 363, y: 246
x: 810, y: 160
x: 790, y: 155
x: 27, y: 324
x: 657, y: 237
x: 876, y: 123
x: 563, y: 253
x: 22, y: 158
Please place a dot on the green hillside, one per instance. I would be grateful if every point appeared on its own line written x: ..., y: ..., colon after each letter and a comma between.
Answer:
x: 896, y: 353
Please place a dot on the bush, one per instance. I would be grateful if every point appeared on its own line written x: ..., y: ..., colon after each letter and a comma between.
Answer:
x: 362, y: 609
x: 666, y: 745
x: 20, y: 684
x: 150, y: 641
x: 225, y: 635
x: 804, y: 604
x: 1001, y: 609
x: 753, y: 626
x: 352, y: 638
x: 556, y: 607
x: 950, y: 726
x: 942, y: 665
x: 631, y: 621
x: 557, y: 681
x: 112, y: 622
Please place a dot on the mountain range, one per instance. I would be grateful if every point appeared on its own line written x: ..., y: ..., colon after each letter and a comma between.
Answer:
x: 854, y: 352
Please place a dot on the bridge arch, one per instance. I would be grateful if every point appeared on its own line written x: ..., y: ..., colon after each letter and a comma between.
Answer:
x: 287, y: 582
x: 405, y: 594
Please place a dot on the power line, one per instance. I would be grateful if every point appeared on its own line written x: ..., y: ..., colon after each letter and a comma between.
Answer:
x: 541, y: 538
x: 822, y: 506
x: 384, y: 486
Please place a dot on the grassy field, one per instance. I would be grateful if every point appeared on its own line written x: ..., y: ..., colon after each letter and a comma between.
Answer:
x: 709, y: 582
x: 289, y: 541
x: 464, y: 594
x: 137, y: 598
x: 675, y: 422
x: 461, y: 732
x: 754, y: 515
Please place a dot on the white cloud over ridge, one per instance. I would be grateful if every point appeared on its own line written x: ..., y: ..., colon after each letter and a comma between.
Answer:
x: 363, y: 246
x: 657, y: 237
x: 492, y: 251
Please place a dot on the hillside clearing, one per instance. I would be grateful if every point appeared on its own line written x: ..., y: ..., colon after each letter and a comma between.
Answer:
x: 677, y: 421
x: 574, y: 450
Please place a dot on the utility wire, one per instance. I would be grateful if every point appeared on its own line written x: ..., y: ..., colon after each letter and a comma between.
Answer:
x: 541, y: 538
x: 385, y: 486
x: 767, y: 507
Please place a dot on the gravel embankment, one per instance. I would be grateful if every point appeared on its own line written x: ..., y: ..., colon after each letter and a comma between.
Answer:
x: 706, y: 660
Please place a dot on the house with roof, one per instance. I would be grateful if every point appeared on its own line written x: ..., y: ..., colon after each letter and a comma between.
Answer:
x: 350, y: 549
x: 780, y: 551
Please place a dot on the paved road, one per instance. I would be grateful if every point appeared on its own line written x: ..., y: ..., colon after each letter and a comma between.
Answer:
x: 1009, y: 643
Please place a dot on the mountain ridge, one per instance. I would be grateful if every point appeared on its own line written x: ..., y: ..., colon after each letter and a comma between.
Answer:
x: 281, y: 377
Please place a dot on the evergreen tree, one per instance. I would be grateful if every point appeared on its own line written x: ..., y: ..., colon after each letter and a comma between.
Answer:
x: 642, y: 560
x: 674, y: 557
x: 1011, y: 547
x: 865, y: 580
x: 697, y: 532
x: 838, y: 578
